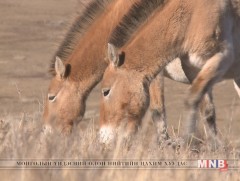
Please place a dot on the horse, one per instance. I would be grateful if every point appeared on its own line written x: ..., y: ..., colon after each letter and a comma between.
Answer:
x: 80, y: 63
x: 204, y: 34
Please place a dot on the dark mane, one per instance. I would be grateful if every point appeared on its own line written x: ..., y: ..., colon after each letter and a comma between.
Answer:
x: 135, y: 17
x: 78, y: 28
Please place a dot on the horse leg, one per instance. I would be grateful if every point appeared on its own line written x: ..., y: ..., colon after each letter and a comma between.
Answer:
x: 237, y: 86
x: 207, y: 107
x: 157, y: 106
x: 208, y: 111
x: 211, y: 72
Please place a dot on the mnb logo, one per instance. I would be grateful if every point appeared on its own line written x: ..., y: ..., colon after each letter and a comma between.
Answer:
x: 213, y: 164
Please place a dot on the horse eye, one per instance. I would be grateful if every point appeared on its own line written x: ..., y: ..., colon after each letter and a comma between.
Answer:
x: 105, y: 91
x: 51, y: 98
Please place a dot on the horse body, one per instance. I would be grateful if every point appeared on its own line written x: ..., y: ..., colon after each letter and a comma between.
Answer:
x: 202, y: 33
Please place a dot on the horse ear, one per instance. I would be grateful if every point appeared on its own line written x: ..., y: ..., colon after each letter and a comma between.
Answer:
x: 60, y: 67
x: 113, y: 55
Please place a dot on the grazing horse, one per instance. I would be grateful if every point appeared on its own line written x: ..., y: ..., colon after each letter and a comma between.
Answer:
x: 203, y: 33
x: 80, y: 62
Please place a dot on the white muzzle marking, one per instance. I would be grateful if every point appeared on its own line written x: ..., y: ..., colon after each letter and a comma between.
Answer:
x: 106, y: 134
x: 47, y: 129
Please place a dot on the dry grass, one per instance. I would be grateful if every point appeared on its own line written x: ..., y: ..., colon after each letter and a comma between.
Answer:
x: 22, y: 137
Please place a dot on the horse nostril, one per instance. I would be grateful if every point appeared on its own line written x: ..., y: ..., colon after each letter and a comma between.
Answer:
x: 105, y: 92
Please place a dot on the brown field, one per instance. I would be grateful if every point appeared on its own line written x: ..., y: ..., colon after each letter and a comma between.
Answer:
x: 29, y: 34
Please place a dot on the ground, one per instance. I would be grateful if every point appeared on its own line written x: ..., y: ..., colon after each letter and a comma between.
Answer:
x: 30, y: 32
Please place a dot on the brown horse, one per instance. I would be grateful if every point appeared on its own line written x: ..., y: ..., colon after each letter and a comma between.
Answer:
x: 175, y: 70
x: 205, y: 34
x: 80, y: 61
x: 80, y: 70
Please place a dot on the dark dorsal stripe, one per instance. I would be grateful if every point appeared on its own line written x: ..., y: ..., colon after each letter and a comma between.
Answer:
x: 77, y: 29
x: 135, y: 17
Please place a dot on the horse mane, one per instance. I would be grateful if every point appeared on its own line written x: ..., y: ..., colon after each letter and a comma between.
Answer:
x: 77, y: 29
x: 135, y: 17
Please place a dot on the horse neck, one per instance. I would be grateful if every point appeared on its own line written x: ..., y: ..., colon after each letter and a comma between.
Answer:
x: 88, y: 59
x: 169, y: 34
x: 155, y: 43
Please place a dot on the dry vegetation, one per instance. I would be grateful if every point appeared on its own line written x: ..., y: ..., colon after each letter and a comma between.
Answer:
x: 23, y: 138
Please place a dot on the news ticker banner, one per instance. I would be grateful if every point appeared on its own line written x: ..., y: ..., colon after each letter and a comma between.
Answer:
x: 220, y: 164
